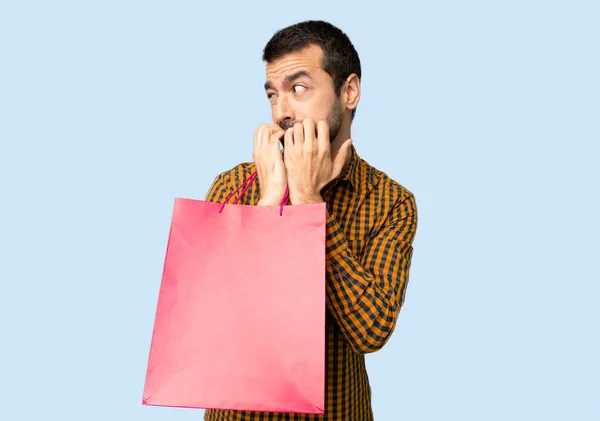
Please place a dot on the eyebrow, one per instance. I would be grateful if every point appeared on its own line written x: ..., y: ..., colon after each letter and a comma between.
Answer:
x: 290, y: 78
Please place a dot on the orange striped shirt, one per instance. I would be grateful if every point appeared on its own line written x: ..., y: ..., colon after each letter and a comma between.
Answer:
x: 370, y: 230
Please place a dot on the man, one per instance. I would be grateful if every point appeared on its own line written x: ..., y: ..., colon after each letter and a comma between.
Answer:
x: 313, y: 84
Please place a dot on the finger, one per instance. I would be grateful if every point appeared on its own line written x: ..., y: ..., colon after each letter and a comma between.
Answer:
x: 298, y: 134
x: 272, y: 128
x: 256, y: 143
x: 265, y: 136
x: 289, y: 136
x: 275, y: 137
x: 289, y: 139
x: 323, y: 135
x: 310, y: 139
x: 259, y: 141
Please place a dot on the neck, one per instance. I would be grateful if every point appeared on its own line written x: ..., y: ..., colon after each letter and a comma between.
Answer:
x: 342, y: 136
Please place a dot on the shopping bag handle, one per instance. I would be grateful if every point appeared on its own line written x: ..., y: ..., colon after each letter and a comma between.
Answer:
x: 246, y: 185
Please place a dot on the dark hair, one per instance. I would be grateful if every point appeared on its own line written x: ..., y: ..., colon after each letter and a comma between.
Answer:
x: 340, y: 58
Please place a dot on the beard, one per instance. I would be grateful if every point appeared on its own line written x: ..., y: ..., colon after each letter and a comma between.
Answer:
x: 334, y: 121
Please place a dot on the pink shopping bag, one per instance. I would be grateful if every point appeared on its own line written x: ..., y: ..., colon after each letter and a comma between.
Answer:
x: 240, y: 320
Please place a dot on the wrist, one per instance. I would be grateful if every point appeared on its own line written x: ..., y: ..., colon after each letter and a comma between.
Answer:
x: 268, y: 202
x: 307, y: 199
x: 270, y: 199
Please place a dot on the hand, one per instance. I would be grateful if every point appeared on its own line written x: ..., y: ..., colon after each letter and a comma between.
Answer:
x: 269, y: 164
x: 308, y: 161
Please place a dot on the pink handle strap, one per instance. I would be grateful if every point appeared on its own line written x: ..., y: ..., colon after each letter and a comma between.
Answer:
x: 246, y: 185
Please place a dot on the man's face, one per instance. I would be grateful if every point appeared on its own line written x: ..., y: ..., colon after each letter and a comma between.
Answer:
x: 299, y: 88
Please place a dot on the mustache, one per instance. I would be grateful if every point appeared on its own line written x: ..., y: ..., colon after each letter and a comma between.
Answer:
x: 287, y: 124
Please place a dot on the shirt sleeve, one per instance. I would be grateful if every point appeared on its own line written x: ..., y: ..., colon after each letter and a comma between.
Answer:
x: 365, y: 294
x: 220, y: 188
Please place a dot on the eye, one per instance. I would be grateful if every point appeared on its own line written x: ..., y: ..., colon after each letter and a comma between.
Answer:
x: 272, y: 97
x: 298, y: 89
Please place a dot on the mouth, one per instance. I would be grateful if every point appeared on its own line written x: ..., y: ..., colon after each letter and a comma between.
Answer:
x: 286, y: 124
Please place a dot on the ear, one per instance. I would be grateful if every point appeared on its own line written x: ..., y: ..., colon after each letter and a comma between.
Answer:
x: 351, y: 91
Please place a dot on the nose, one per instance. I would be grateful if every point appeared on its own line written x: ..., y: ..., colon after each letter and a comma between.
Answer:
x: 283, y: 110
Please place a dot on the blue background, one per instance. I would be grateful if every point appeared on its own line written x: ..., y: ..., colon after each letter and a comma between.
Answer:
x: 487, y: 111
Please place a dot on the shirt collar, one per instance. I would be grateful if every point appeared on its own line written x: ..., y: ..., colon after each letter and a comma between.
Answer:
x: 352, y: 171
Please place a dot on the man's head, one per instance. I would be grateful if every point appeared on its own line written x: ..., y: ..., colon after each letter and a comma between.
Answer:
x: 313, y: 71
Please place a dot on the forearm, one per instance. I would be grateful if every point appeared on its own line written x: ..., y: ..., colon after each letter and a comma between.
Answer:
x: 365, y: 295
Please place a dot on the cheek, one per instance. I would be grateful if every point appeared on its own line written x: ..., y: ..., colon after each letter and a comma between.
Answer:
x: 315, y: 108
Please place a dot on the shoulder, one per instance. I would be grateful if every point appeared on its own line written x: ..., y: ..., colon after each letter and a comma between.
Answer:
x: 227, y: 181
x: 394, y: 203
x: 386, y: 186
x: 237, y: 174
